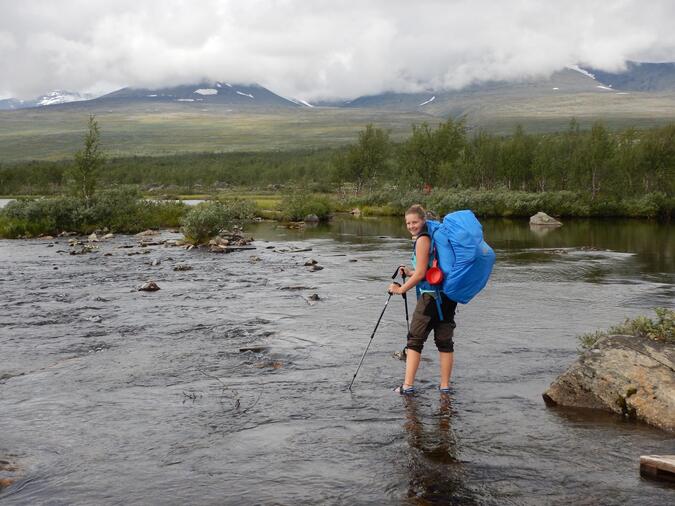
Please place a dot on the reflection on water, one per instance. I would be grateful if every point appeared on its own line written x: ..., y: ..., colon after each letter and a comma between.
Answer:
x: 435, y: 473
x: 228, y: 387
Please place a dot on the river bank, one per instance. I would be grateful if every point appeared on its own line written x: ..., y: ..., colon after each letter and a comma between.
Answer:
x: 110, y: 394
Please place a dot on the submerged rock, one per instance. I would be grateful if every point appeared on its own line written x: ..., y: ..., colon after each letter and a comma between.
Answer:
x: 314, y: 268
x: 543, y: 219
x: 9, y: 472
x: 630, y: 376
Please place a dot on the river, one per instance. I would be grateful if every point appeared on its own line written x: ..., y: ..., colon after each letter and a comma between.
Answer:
x: 109, y: 395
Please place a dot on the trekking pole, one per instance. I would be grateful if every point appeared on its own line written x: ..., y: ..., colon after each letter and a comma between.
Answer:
x: 405, y: 300
x: 371, y: 339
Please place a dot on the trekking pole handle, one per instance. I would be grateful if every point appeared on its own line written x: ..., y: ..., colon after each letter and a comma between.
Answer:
x: 396, y: 272
x: 395, y: 283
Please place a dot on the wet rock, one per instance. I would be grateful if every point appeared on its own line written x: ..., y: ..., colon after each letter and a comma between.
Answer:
x: 93, y: 237
x: 314, y: 297
x: 255, y: 349
x: 314, y: 268
x: 631, y: 376
x: 149, y: 286
x: 219, y: 241
x: 108, y: 236
x: 254, y: 259
x: 297, y: 287
x: 182, y: 267
x: 311, y: 261
x: 543, y: 219
x: 147, y: 233
x: 356, y: 211
x: 353, y: 260
x: 107, y: 254
x: 156, y: 262
x: 86, y: 248
x: 311, y: 218
x: 47, y: 237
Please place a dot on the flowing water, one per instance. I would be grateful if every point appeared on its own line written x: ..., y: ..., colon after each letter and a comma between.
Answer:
x: 109, y: 395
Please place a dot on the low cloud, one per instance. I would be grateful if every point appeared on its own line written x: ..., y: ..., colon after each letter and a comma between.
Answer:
x: 318, y: 49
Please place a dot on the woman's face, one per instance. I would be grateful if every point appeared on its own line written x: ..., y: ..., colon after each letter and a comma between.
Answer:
x: 414, y: 224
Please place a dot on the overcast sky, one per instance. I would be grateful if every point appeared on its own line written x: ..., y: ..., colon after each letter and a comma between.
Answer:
x: 313, y: 49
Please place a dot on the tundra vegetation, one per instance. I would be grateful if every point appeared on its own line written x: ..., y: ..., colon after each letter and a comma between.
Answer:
x: 573, y: 173
x: 661, y: 329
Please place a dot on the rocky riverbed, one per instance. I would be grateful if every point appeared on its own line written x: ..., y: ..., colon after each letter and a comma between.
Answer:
x: 228, y: 384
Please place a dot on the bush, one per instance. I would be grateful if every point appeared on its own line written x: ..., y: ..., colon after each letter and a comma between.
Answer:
x: 296, y: 206
x: 209, y: 219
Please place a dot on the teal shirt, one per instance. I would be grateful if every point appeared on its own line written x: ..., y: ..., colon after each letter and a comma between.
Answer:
x: 413, y: 261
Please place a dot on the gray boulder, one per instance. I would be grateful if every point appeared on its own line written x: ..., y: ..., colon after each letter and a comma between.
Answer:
x: 543, y: 219
x: 630, y: 376
x: 311, y: 218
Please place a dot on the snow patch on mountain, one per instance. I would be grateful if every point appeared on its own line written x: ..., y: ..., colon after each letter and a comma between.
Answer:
x: 579, y: 69
x: 428, y: 101
x: 206, y: 91
x: 300, y: 102
x: 244, y: 94
x: 604, y: 87
x: 60, y: 97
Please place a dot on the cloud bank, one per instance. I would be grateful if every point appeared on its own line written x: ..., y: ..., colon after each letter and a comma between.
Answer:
x: 318, y: 49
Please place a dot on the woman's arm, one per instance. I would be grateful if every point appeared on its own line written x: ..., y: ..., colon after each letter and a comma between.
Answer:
x: 422, y: 254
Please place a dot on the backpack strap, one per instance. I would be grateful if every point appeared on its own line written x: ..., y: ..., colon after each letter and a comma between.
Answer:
x: 433, y: 258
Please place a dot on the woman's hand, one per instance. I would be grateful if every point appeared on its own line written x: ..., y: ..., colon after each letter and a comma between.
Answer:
x: 404, y: 271
x: 395, y: 289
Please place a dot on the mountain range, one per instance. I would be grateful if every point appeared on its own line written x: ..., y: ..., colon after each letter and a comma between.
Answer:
x: 638, y: 77
x: 221, y: 116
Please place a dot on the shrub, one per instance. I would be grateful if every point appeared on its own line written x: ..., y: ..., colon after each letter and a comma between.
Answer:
x: 208, y: 219
x: 296, y: 206
x: 121, y: 210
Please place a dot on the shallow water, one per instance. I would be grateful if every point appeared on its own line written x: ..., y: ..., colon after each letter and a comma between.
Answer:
x: 109, y: 395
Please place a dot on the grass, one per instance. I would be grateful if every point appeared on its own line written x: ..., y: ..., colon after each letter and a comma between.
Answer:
x: 54, y: 134
x: 662, y: 329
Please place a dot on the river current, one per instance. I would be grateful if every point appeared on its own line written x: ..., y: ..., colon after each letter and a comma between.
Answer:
x: 229, y: 384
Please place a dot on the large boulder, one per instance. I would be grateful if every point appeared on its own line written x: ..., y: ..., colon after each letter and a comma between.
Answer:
x: 543, y: 219
x: 631, y: 376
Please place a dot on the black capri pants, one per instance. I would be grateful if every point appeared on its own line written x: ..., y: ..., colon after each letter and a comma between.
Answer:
x: 425, y: 319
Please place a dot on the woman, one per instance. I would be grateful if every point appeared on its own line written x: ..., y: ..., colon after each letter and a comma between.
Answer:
x: 425, y: 317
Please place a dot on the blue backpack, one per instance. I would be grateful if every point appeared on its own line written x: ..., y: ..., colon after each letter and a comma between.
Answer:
x: 459, y: 251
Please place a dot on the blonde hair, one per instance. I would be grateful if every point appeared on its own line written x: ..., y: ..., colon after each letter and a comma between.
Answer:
x: 418, y: 210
